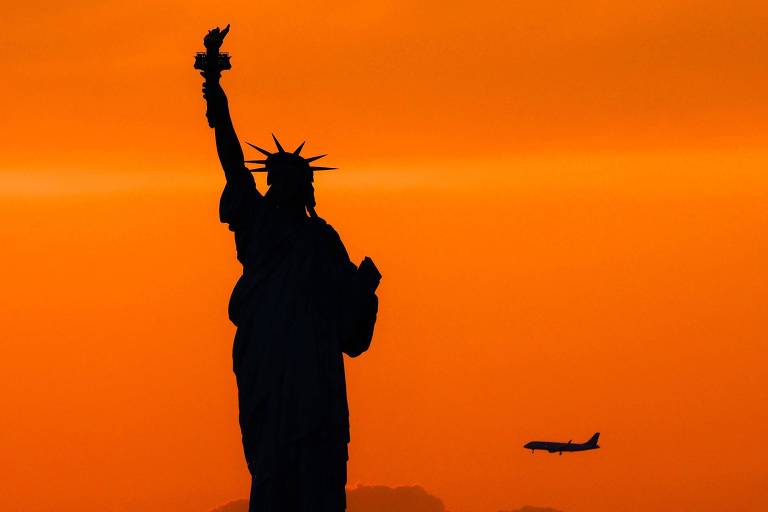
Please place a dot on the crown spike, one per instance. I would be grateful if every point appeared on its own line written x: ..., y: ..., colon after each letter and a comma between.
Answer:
x: 255, y: 161
x: 262, y: 151
x: 313, y: 158
x: 277, y: 143
x: 297, y: 151
x: 259, y: 169
x: 322, y: 168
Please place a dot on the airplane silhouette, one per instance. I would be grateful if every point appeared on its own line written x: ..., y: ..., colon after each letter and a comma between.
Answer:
x: 553, y: 447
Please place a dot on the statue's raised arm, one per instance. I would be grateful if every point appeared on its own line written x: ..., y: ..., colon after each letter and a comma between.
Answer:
x: 211, y: 63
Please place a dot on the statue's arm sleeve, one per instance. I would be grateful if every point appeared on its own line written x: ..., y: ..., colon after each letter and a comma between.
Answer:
x: 360, y: 322
x: 240, y: 196
x: 358, y: 305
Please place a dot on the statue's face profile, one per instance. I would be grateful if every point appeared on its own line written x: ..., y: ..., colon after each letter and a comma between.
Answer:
x: 290, y: 184
x: 292, y: 195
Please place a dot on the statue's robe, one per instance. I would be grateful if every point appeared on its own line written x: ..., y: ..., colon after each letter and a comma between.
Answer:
x: 297, y: 307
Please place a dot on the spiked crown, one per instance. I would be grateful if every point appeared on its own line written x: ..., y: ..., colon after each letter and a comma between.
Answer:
x: 284, y: 165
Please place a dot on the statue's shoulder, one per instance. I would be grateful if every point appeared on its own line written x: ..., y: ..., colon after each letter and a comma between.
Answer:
x: 321, y: 227
x: 325, y: 234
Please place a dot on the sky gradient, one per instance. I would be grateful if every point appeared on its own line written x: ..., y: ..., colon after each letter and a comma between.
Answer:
x: 567, y: 202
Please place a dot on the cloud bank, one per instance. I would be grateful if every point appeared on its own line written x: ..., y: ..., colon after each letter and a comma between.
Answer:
x: 380, y: 498
x: 528, y: 508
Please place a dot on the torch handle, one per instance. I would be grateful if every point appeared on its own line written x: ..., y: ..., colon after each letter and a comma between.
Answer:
x: 211, y: 67
x: 212, y: 76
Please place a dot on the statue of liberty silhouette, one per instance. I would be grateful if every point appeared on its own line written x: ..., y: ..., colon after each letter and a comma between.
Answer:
x: 299, y: 305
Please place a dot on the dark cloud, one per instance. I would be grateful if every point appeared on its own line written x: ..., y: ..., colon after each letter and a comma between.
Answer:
x: 528, y: 508
x: 233, y: 506
x: 379, y: 498
x: 373, y: 498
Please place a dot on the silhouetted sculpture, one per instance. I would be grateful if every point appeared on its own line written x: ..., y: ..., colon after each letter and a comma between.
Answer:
x: 299, y: 304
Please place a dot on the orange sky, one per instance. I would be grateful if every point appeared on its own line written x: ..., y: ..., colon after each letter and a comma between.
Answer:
x: 568, y: 202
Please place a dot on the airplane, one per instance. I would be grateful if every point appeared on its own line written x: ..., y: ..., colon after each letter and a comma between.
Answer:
x: 553, y: 447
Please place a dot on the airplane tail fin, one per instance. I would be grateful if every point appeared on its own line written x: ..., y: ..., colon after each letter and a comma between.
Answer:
x: 593, y: 439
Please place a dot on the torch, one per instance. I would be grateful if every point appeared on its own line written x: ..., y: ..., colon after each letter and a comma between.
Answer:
x: 212, y: 62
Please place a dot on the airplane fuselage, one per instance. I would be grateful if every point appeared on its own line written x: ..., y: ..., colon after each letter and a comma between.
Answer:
x: 555, y: 447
